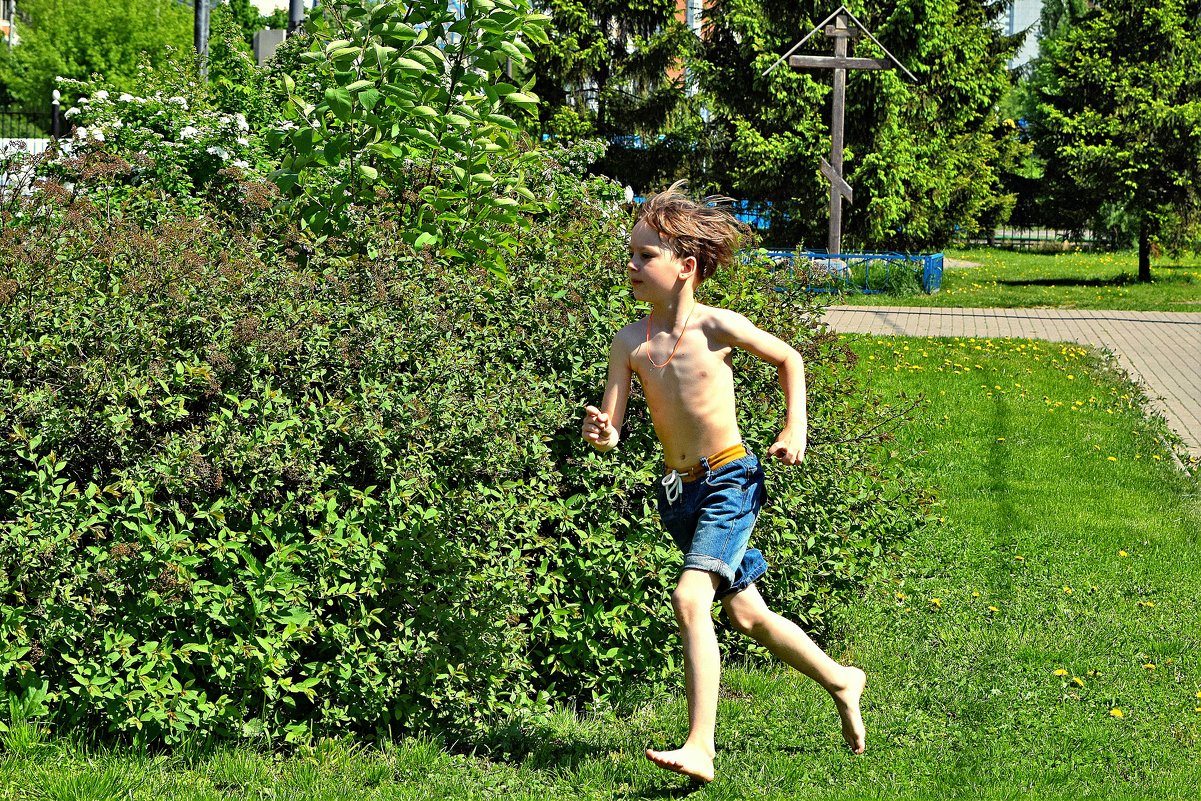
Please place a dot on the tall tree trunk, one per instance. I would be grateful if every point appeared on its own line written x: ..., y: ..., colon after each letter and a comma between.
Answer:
x: 1144, y: 251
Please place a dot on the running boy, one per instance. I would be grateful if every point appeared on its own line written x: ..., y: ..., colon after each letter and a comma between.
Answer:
x: 713, y: 489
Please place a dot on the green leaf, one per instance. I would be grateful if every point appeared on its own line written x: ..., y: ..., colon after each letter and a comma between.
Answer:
x: 339, y: 102
x: 410, y: 64
x: 370, y: 98
x: 504, y: 122
x: 521, y: 99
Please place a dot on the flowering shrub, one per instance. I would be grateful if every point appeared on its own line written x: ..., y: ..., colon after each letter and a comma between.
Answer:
x: 173, y: 144
x: 179, y: 132
x: 249, y: 494
x: 261, y: 481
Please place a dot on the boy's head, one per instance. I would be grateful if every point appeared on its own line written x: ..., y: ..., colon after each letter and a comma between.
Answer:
x: 688, y: 227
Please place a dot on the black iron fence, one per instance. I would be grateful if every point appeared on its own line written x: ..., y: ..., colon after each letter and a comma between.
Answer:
x: 18, y: 123
x: 1048, y: 240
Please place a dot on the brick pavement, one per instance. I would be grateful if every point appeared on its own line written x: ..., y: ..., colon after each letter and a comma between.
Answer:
x: 1162, y: 350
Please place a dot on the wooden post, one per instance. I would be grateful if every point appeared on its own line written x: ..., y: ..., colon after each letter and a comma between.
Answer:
x: 840, y: 35
x: 841, y: 31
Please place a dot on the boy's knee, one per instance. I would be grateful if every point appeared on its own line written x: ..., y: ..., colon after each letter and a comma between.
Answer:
x: 690, y: 602
x: 747, y: 621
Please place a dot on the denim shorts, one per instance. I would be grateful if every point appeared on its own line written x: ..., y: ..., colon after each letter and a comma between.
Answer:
x: 712, y: 519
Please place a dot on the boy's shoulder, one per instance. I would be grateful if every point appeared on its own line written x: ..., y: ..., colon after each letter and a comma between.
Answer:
x: 719, y: 321
x: 633, y: 331
x: 711, y: 319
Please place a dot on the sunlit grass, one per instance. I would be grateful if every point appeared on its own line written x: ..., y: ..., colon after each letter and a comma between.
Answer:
x: 1040, y: 641
x: 1011, y: 279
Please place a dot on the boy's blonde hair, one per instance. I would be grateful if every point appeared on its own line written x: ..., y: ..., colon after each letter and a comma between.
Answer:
x: 688, y: 227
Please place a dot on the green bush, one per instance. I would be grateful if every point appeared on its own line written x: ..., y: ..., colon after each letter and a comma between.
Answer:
x: 248, y: 496
x: 258, y: 484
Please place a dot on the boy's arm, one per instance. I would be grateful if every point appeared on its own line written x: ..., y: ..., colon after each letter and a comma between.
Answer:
x: 739, y: 332
x: 602, y: 427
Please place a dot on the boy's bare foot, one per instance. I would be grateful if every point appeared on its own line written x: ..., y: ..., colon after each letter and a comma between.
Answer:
x: 688, y: 760
x: 847, y: 700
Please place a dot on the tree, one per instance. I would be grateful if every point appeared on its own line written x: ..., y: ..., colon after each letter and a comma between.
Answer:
x: 249, y: 20
x: 924, y: 159
x: 613, y: 69
x: 1058, y: 15
x: 1118, y: 120
x: 77, y: 38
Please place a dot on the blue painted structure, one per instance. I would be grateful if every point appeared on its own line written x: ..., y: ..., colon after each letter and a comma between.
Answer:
x: 868, y: 273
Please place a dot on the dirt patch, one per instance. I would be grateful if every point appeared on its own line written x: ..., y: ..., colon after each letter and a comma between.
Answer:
x: 960, y: 263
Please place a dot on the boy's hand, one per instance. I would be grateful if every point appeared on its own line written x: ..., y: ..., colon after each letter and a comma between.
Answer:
x: 789, y: 448
x: 598, y: 431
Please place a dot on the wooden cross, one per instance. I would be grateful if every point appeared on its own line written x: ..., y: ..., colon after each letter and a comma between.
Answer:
x: 837, y: 26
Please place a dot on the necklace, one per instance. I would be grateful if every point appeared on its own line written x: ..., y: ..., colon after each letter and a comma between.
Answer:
x: 679, y: 339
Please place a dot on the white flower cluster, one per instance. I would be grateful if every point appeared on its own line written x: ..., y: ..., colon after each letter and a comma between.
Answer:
x: 84, y: 133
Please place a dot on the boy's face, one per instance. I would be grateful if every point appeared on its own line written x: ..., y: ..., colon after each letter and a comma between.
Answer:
x: 656, y: 273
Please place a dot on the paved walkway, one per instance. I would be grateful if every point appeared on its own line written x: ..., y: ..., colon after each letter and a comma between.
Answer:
x: 1162, y: 350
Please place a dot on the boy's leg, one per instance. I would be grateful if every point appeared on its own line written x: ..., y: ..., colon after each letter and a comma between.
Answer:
x: 785, y: 639
x: 693, y: 605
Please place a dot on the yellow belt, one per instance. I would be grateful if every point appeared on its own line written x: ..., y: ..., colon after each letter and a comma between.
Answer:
x: 719, y: 459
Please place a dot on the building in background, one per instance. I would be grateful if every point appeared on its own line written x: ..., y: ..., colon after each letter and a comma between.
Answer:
x: 8, y: 11
x: 1023, y: 16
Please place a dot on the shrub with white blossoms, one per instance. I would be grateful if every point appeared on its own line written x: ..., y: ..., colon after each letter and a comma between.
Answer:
x: 178, y: 142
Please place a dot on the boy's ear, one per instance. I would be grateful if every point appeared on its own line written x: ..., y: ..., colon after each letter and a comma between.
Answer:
x: 687, y: 267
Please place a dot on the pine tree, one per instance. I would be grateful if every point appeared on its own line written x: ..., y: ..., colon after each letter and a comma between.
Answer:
x: 614, y: 70
x: 923, y: 159
x: 1118, y: 120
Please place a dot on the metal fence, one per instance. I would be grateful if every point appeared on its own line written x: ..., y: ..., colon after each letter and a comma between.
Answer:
x: 25, y: 124
x: 1047, y: 240
x: 866, y: 273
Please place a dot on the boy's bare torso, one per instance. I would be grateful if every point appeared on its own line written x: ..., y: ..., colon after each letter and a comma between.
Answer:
x: 691, y: 398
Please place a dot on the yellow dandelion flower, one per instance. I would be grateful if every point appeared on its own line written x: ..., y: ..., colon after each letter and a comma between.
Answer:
x: 1112, y: 458
x: 1149, y: 666
x: 1067, y: 590
x: 977, y: 595
x: 936, y: 603
x: 1123, y: 553
x: 1019, y: 558
x: 1116, y: 713
x: 1079, y: 682
x: 1061, y: 672
x: 1199, y: 694
x: 1000, y: 439
x: 993, y: 609
x: 1198, y: 710
x: 1147, y: 604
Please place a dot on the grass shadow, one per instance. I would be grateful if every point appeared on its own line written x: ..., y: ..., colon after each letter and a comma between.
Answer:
x: 1125, y: 279
x: 666, y: 792
x: 537, y: 745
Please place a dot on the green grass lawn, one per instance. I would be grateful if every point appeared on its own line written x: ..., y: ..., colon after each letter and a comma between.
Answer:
x: 1009, y: 279
x: 1042, y: 641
